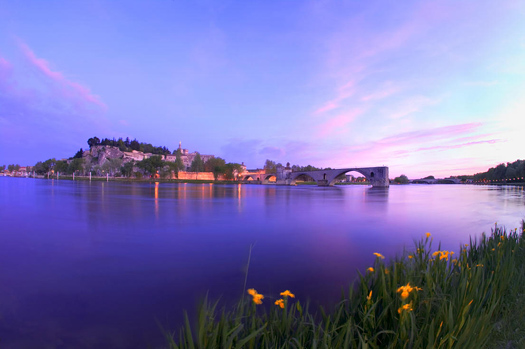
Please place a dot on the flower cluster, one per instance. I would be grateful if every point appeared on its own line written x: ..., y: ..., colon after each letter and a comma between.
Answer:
x: 280, y: 302
x: 257, y: 297
x: 443, y: 254
x: 407, y: 307
x: 406, y: 290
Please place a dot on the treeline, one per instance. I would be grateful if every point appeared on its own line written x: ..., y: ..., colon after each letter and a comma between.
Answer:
x: 509, y: 171
x: 129, y: 145
x: 10, y: 168
x: 153, y: 166
x: 271, y: 167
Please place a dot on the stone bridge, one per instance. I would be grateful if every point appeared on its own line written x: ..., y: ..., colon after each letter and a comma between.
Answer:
x: 377, y: 176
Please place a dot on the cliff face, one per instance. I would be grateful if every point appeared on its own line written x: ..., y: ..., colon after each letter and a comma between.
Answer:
x: 99, y: 154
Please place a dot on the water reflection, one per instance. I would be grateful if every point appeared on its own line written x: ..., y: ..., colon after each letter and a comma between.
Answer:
x: 157, y: 200
x: 98, y: 262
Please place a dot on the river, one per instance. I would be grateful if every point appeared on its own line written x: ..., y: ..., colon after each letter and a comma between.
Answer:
x: 105, y: 264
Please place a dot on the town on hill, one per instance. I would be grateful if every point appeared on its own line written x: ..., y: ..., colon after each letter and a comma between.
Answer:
x: 133, y: 159
x: 125, y: 158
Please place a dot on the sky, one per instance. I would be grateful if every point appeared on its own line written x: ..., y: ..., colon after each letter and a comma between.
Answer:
x: 423, y: 87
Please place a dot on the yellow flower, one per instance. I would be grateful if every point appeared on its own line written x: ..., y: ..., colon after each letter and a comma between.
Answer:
x: 287, y: 294
x: 370, y: 269
x: 405, y: 290
x: 388, y: 271
x: 379, y: 255
x: 428, y: 235
x: 280, y: 302
x: 410, y: 256
x: 257, y: 297
x: 406, y: 307
x: 369, y: 296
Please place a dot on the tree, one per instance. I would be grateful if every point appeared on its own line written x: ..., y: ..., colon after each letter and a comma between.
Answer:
x: 197, y: 165
x: 93, y: 141
x: 134, y: 145
x: 2, y: 168
x: 215, y: 165
x: 11, y: 168
x: 79, y: 154
x: 39, y: 168
x: 231, y: 170
x: 151, y: 165
x: 61, y: 166
x: 270, y: 166
x: 49, y: 165
x: 401, y: 179
x: 178, y: 161
x: 429, y: 177
x: 76, y: 165
x: 111, y: 166
x: 127, y: 169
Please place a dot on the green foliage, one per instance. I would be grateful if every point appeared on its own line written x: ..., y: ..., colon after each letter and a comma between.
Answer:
x: 151, y: 165
x: 270, y: 166
x: 127, y: 169
x: 2, y: 168
x: 230, y: 169
x: 297, y: 168
x: 507, y: 171
x: 127, y: 145
x: 78, y: 154
x: 420, y: 300
x: 215, y: 165
x: 197, y: 165
x: 76, y: 166
x: 179, y: 165
x: 93, y: 142
x: 61, y: 166
x: 401, y: 179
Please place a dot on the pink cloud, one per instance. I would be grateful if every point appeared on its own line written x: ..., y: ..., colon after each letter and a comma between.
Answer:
x: 343, y: 92
x: 381, y: 93
x: 429, y: 134
x: 68, y: 88
x: 337, y: 123
x: 461, y: 145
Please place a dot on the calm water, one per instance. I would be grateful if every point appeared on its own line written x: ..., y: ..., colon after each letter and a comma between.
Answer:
x: 99, y: 264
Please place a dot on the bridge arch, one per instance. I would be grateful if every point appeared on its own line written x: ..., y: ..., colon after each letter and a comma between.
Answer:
x: 365, y: 174
x: 304, y: 175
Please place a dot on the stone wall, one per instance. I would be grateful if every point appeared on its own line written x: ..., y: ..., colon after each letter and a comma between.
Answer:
x: 200, y: 176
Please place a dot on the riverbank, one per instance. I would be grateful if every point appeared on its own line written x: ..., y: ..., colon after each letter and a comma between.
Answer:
x: 426, y: 298
x: 164, y: 180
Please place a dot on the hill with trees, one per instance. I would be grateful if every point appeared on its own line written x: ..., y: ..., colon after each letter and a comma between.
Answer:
x: 510, y: 171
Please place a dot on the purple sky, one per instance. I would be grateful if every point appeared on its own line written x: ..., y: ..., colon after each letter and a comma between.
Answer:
x: 426, y: 88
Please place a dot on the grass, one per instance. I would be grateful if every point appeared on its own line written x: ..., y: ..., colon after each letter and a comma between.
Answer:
x: 424, y: 299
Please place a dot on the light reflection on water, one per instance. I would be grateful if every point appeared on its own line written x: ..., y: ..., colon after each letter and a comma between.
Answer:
x: 87, y: 264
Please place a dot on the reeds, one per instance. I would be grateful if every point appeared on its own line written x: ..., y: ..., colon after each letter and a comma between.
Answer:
x: 424, y: 299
